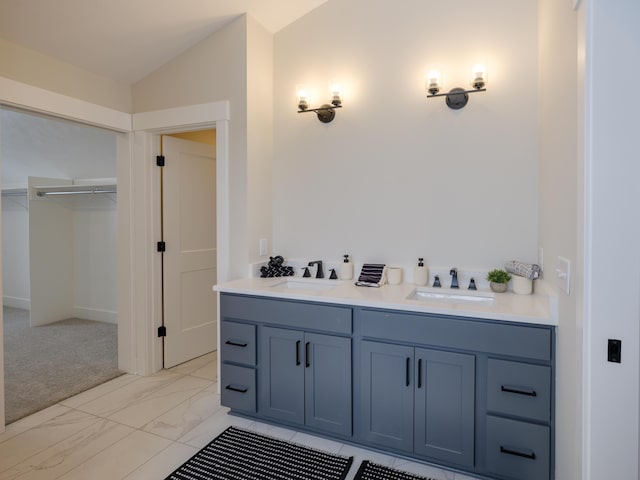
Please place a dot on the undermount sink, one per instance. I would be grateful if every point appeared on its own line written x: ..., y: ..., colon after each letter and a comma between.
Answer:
x: 313, y: 285
x: 452, y: 296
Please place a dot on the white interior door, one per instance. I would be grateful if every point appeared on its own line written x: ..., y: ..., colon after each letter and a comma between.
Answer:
x: 189, y: 261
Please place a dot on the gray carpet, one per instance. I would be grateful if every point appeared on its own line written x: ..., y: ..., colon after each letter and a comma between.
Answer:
x: 46, y: 364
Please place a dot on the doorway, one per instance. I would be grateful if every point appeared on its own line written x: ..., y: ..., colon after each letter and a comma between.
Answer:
x: 189, y: 238
x: 59, y: 259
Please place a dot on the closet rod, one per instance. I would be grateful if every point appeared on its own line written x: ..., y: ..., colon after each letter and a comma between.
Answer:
x: 75, y: 192
x: 15, y: 194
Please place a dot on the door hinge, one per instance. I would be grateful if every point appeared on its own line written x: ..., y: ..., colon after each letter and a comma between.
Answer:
x: 160, y: 161
x: 162, y: 247
x: 162, y: 331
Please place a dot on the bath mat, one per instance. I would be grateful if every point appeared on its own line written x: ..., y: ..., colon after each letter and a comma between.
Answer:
x: 372, y: 471
x: 245, y: 455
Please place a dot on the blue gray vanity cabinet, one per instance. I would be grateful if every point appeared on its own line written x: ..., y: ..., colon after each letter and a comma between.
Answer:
x: 302, y: 369
x: 467, y: 393
x: 306, y: 379
x: 418, y: 400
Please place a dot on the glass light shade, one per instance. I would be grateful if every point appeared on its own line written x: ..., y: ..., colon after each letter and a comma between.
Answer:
x: 433, y: 82
x: 479, y: 77
x: 303, y: 99
x: 336, y: 91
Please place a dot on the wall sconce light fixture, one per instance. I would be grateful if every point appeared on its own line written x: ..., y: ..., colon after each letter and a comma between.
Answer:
x: 326, y: 113
x: 457, y: 98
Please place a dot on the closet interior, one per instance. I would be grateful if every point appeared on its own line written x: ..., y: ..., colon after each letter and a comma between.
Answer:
x: 59, y: 259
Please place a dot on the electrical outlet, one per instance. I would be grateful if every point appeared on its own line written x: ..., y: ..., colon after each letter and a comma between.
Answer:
x: 614, y: 351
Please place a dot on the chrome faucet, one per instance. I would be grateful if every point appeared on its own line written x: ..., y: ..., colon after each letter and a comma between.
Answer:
x: 319, y: 272
x: 454, y: 277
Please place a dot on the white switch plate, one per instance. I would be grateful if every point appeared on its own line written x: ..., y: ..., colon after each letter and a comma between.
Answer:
x: 264, y: 247
x: 541, y: 258
x: 563, y: 272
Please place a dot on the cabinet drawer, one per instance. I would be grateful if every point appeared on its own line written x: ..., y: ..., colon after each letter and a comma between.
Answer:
x: 286, y: 313
x: 238, y: 387
x: 517, y: 450
x: 238, y: 342
x: 519, y: 389
x: 456, y: 332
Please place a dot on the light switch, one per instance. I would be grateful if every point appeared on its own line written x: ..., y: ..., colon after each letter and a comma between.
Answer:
x: 563, y: 272
x: 263, y: 247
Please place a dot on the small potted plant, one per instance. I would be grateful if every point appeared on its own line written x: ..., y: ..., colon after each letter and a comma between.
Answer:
x: 498, y: 280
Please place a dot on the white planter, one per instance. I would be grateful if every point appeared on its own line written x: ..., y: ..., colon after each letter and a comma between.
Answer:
x: 522, y: 285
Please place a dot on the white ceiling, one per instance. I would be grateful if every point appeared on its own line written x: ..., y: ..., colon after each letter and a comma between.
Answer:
x: 127, y: 39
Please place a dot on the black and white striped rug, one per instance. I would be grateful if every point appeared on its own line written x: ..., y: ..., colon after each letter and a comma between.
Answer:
x: 238, y: 454
x: 372, y: 471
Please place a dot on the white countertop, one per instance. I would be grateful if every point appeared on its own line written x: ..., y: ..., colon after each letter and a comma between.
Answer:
x: 538, y: 308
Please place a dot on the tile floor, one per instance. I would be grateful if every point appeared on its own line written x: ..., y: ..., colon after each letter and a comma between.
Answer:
x: 142, y: 428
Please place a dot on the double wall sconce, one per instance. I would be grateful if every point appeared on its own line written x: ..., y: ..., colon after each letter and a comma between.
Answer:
x: 326, y: 113
x: 457, y: 98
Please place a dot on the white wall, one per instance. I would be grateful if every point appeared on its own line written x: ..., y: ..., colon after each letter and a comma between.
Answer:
x: 560, y: 201
x: 15, y: 264
x: 612, y: 236
x: 396, y: 175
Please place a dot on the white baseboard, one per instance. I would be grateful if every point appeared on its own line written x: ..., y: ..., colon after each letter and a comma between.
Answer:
x: 16, y: 302
x: 96, y: 314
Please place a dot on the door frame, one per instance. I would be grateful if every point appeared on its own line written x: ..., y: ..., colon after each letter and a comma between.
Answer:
x: 148, y: 127
x: 136, y: 144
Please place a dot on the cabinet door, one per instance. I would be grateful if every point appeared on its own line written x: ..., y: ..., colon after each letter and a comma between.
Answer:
x: 386, y: 393
x: 444, y: 406
x: 328, y: 383
x: 282, y: 374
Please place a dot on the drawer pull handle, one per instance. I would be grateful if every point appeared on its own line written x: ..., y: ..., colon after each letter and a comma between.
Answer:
x: 510, y: 451
x: 519, y: 391
x: 307, y: 358
x: 420, y: 373
x: 236, y: 344
x: 236, y: 389
x: 298, y: 353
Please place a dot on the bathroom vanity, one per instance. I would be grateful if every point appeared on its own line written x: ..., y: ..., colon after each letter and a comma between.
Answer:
x: 467, y: 387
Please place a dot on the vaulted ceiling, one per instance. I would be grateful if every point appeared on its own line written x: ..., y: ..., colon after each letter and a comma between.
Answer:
x: 125, y: 40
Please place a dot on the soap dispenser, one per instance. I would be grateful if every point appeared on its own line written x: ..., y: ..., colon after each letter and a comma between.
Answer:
x: 420, y: 273
x: 346, y: 269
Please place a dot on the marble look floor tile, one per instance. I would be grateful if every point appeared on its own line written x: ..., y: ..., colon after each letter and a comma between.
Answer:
x: 120, y: 459
x: 24, y: 424
x: 99, y: 391
x: 272, y: 430
x: 165, y: 462
x: 183, y: 418
x: 213, y: 426
x: 139, y: 389
x: 139, y: 413
x: 43, y: 436
x: 67, y: 454
x: 191, y: 366
x: 319, y: 443
x: 361, y: 454
x: 422, y: 469
x: 208, y: 372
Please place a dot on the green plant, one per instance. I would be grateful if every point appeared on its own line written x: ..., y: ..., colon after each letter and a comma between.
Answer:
x: 498, y: 276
